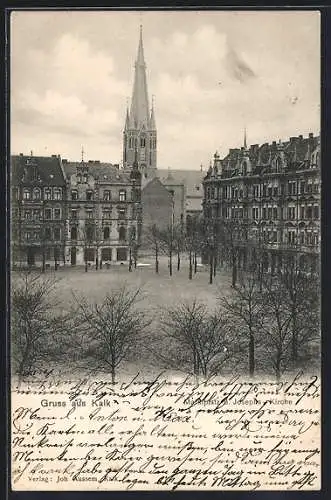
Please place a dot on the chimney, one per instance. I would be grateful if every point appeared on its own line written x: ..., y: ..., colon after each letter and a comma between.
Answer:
x: 21, y: 154
x: 311, y: 135
x: 300, y: 137
x: 64, y: 160
x: 293, y: 139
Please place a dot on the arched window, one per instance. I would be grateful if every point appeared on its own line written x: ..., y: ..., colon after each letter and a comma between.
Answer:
x: 106, y: 233
x: 122, y: 195
x: 106, y: 195
x: 48, y: 194
x: 122, y: 233
x: 26, y: 194
x: 36, y: 194
x: 142, y: 141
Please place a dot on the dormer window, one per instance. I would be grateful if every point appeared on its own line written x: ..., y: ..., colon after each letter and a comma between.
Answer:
x: 48, y: 194
x: 26, y: 194
x: 36, y: 194
x: 57, y: 194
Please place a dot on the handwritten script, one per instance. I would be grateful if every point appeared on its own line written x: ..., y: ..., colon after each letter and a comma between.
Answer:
x: 163, y: 434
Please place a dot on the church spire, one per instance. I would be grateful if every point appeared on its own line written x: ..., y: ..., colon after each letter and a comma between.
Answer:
x: 245, y: 138
x: 139, y: 104
x: 127, y: 117
x: 152, y: 124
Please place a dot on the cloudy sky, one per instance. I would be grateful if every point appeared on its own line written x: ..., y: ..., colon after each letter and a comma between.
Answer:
x: 212, y: 74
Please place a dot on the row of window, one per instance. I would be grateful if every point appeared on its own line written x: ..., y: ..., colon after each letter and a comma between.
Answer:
x: 264, y: 190
x: 90, y: 233
x: 106, y: 213
x: 89, y: 195
x: 273, y: 213
x: 36, y: 193
x: 133, y: 142
x: 290, y: 237
x: 47, y: 234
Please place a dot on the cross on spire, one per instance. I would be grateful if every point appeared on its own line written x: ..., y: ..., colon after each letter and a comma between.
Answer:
x: 82, y: 154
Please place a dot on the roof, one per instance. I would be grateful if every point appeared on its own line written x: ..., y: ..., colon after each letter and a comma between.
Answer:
x: 49, y: 169
x: 100, y: 171
x: 190, y: 178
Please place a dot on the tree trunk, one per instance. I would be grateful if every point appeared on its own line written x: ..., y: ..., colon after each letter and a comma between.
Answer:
x: 190, y: 266
x: 100, y: 263
x: 130, y: 260
x: 211, y: 268
x: 170, y: 262
x: 156, y: 261
x: 215, y: 262
x: 44, y: 262
x: 251, y: 353
x: 294, y: 347
x: 96, y: 263
x: 178, y: 260
x: 195, y: 263
x: 86, y: 266
x: 234, y: 272
x: 113, y: 379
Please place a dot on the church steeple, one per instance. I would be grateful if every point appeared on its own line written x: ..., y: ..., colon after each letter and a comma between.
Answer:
x: 140, y: 136
x: 139, y: 105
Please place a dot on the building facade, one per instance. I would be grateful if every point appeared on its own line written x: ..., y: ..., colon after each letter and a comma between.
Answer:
x: 66, y: 213
x: 38, y: 210
x: 273, y: 191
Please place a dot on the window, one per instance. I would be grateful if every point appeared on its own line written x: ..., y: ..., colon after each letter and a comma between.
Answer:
x: 89, y: 214
x: 292, y: 185
x: 48, y: 233
x: 270, y: 191
x: 122, y: 233
x: 36, y: 214
x: 28, y: 235
x: 79, y: 178
x: 121, y: 213
x: 302, y: 238
x: 122, y: 254
x: 302, y: 187
x: 310, y: 186
x: 106, y: 233
x: 48, y: 194
x: 27, y: 215
x: 26, y: 194
x: 269, y: 213
x: 122, y: 195
x: 36, y: 194
x: 275, y: 190
x: 316, y: 212
x: 264, y: 213
x: 36, y: 235
x: 89, y: 254
x: 291, y: 213
x: 74, y: 214
x: 106, y: 254
x: 255, y: 213
x: 106, y: 213
x: 142, y: 141
x: 256, y: 190
x: 57, y: 213
x: 291, y: 237
x: 74, y: 233
x: 89, y: 195
x: 57, y: 233
x: 85, y: 177
x: 57, y: 194
x: 89, y: 233
x: 106, y: 195
x: 74, y: 195
x: 309, y: 212
x: 275, y: 213
x: 48, y: 213
x: 302, y: 212
x: 316, y: 187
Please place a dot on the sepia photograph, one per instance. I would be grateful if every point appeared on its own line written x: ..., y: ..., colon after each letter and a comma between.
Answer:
x: 165, y: 242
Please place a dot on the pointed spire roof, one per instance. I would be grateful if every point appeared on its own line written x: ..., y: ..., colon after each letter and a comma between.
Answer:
x: 245, y: 138
x: 152, y: 124
x: 139, y: 111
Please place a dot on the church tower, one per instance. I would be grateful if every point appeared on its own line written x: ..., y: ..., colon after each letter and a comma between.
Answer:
x: 139, y: 135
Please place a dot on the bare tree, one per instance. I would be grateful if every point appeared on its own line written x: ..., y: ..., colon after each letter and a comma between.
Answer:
x: 36, y: 331
x: 88, y: 239
x: 234, y: 234
x: 167, y: 242
x: 153, y: 238
x: 113, y: 327
x: 276, y: 327
x: 245, y: 312
x: 178, y: 235
x: 302, y: 296
x: 203, y: 336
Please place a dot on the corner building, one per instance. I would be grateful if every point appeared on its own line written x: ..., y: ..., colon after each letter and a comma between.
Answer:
x: 274, y: 190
